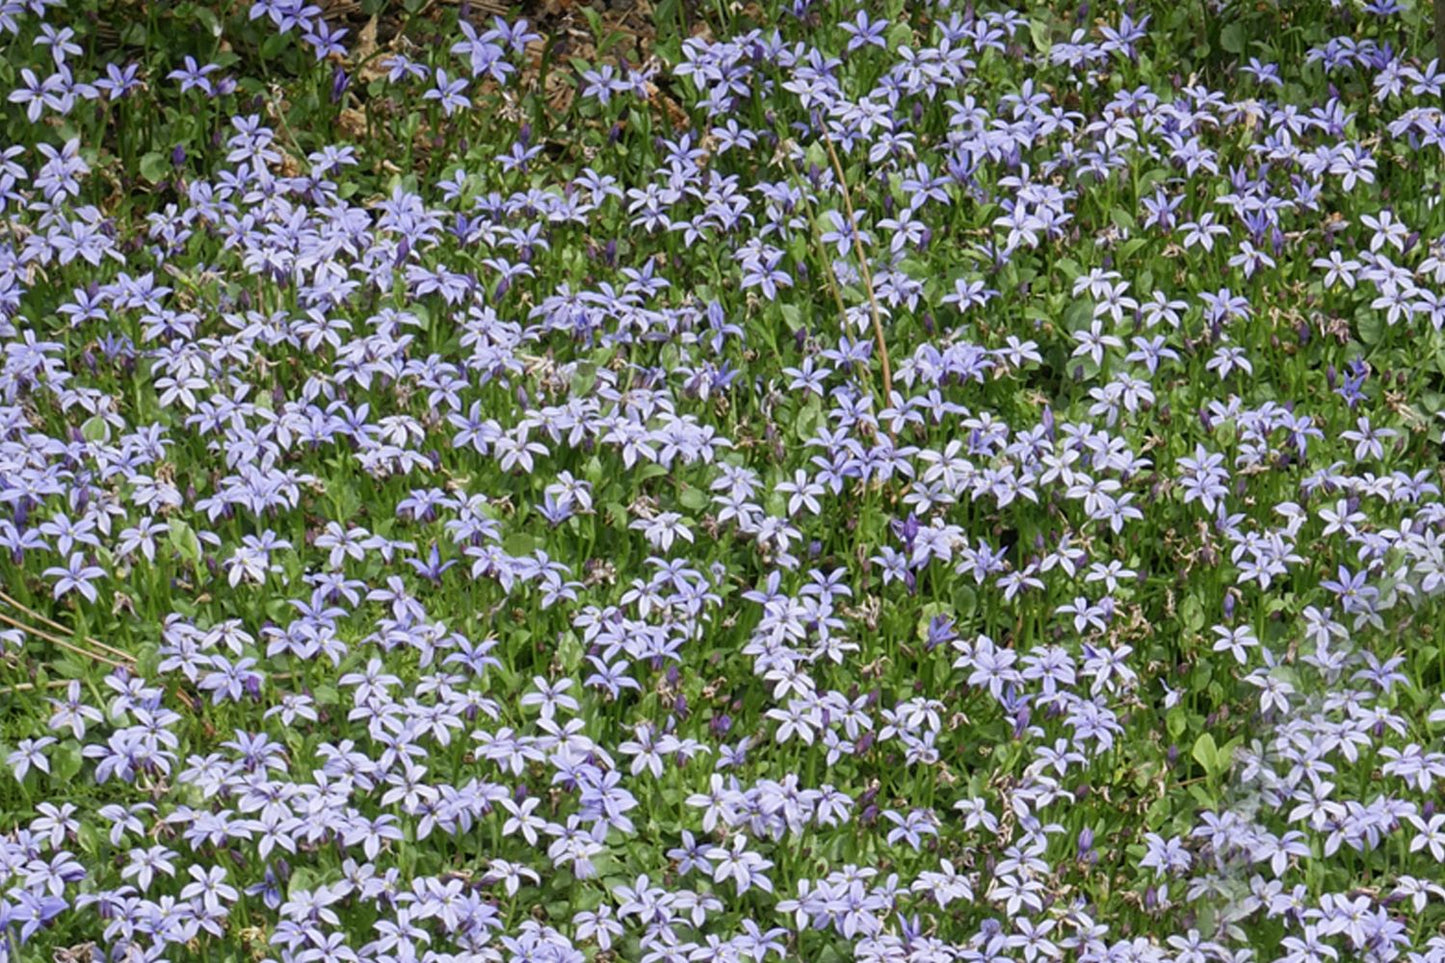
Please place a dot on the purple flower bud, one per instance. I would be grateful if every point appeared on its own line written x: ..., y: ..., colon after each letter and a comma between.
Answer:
x: 1021, y: 720
x: 1086, y: 842
x: 1229, y: 606
x: 178, y: 156
x: 940, y: 632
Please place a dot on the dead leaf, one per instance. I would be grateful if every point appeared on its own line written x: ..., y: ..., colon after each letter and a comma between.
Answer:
x: 362, y: 53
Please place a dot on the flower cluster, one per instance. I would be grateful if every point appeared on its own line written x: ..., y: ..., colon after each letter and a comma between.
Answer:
x: 911, y: 484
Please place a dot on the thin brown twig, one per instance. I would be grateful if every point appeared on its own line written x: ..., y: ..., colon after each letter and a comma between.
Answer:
x: 31, y: 686
x: 818, y: 239
x: 63, y: 643
x: 118, y: 653
x: 863, y: 267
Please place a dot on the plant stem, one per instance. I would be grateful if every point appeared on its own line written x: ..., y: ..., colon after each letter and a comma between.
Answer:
x: 863, y: 268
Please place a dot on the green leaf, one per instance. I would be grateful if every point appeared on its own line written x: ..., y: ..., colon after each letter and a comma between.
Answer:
x: 184, y: 541
x: 1177, y: 720
x: 95, y: 430
x: 1206, y: 753
x: 1370, y: 328
x: 65, y: 762
x: 208, y: 17
x: 792, y: 316
x: 584, y: 378
x: 274, y: 44
x: 1233, y: 38
x: 570, y: 651
x: 965, y: 600
x: 900, y: 35
x: 1079, y: 315
x: 1157, y: 813
x: 1191, y: 613
x: 303, y: 880
x: 518, y: 544
x: 594, y: 20
x: 154, y: 166
x: 1039, y: 34
x: 1226, y: 753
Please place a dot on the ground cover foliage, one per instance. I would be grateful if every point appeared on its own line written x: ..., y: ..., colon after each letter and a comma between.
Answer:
x: 814, y: 481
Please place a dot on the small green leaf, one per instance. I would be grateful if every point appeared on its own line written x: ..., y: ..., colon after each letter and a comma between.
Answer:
x: 1079, y: 315
x: 154, y: 166
x: 1233, y: 38
x: 1191, y: 613
x: 900, y: 35
x: 583, y: 379
x: 303, y: 880
x: 792, y: 316
x: 183, y: 539
x: 1177, y: 720
x: 1039, y: 34
x: 518, y: 544
x: 95, y: 430
x: 272, y: 46
x: 1370, y: 328
x: 65, y: 762
x: 1206, y: 753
